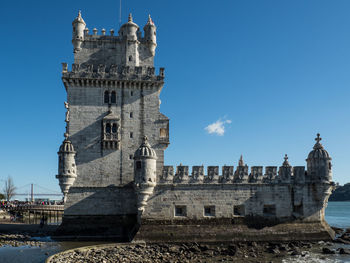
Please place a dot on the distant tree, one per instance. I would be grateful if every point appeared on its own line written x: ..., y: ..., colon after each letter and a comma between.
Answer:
x: 9, y: 188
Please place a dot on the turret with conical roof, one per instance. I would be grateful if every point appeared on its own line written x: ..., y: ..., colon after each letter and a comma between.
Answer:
x: 78, y: 32
x: 319, y: 166
x: 129, y: 29
x: 145, y: 172
x: 67, y: 172
x: 150, y: 35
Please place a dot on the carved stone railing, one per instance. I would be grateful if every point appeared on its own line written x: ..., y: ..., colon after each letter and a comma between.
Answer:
x: 113, y: 72
x: 242, y: 175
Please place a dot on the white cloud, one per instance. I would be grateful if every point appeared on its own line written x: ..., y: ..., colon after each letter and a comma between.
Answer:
x: 217, y: 127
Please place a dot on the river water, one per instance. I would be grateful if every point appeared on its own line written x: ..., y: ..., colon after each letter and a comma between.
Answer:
x: 337, y: 214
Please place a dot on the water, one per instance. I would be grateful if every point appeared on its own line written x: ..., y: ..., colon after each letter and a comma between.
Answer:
x: 337, y: 214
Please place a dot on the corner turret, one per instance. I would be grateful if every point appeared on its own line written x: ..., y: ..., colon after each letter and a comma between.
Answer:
x: 319, y: 166
x: 145, y: 168
x: 129, y: 29
x: 150, y: 35
x: 67, y: 172
x: 78, y: 32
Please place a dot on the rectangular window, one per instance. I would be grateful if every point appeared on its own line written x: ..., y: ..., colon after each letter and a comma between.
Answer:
x: 180, y: 210
x: 209, y: 211
x: 131, y: 135
x: 138, y: 165
x: 269, y: 210
x: 131, y: 93
x: 130, y: 156
x: 131, y: 115
x: 239, y: 210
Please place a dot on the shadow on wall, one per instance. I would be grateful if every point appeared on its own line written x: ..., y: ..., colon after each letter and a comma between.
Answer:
x: 105, y: 212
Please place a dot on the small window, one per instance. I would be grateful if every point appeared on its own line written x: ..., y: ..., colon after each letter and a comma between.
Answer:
x: 138, y: 165
x: 113, y: 97
x: 108, y: 128
x: 131, y: 135
x: 180, y: 210
x: 239, y: 210
x: 131, y: 93
x: 131, y: 115
x: 114, y: 128
x: 106, y: 97
x: 130, y: 58
x: 130, y: 157
x: 209, y: 211
x: 269, y: 210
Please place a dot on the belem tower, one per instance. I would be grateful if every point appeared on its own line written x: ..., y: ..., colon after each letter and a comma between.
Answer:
x: 111, y: 162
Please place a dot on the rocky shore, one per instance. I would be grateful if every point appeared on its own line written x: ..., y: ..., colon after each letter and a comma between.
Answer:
x: 17, y: 240
x: 193, y: 252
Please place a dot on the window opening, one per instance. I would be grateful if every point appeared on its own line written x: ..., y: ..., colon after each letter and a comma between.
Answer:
x: 239, y: 210
x: 209, y: 211
x: 106, y: 97
x: 180, y: 210
x: 113, y: 97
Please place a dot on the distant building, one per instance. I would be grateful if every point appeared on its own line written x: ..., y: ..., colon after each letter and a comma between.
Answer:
x: 111, y: 163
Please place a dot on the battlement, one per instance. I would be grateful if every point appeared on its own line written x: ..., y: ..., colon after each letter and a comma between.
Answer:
x: 242, y: 175
x: 117, y: 72
x: 102, y: 35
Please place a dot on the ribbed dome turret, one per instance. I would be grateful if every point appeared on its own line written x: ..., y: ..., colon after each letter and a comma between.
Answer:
x: 318, y: 152
x: 130, y: 22
x: 79, y: 19
x: 145, y: 150
x: 66, y: 147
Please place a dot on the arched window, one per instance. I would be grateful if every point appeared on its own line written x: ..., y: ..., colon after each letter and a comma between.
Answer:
x: 113, y: 97
x: 114, y: 128
x: 108, y: 128
x: 106, y: 97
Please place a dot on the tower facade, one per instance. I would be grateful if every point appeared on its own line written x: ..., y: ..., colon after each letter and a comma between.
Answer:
x: 113, y: 96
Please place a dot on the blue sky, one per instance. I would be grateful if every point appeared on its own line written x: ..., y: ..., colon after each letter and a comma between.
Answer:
x: 275, y: 72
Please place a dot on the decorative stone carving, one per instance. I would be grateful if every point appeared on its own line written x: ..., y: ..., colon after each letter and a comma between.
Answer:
x: 213, y: 174
x: 167, y: 174
x: 285, y: 171
x: 227, y: 174
x: 270, y: 174
x: 256, y: 174
x: 181, y: 174
x: 197, y: 174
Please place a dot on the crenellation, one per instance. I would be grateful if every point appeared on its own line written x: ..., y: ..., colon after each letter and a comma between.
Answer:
x: 299, y: 174
x: 227, y: 174
x: 256, y: 174
x: 270, y: 174
x: 212, y: 175
x: 182, y: 175
x: 197, y: 174
x: 167, y: 175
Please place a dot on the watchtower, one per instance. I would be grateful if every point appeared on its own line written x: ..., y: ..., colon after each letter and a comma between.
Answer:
x: 113, y: 97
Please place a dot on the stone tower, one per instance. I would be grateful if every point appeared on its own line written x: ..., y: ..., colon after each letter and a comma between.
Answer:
x: 113, y: 96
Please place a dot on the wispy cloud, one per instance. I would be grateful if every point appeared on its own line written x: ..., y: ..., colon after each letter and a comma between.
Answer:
x: 217, y: 127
